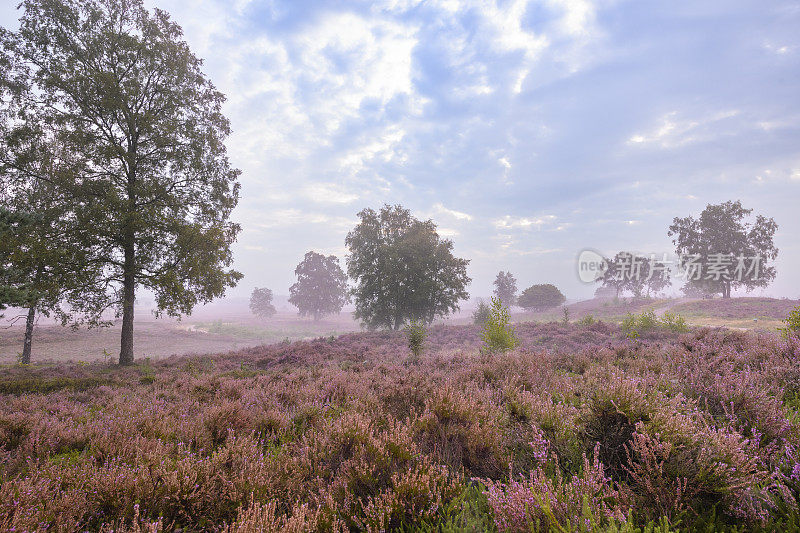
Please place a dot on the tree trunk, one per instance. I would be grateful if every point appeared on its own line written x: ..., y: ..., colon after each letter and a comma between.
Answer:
x: 128, y: 299
x: 26, y: 346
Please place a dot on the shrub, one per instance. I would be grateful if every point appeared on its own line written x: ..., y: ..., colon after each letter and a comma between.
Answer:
x: 498, y: 335
x: 792, y: 322
x: 545, y: 503
x: 634, y: 325
x: 674, y: 322
x: 587, y: 320
x: 416, y: 337
x: 481, y: 313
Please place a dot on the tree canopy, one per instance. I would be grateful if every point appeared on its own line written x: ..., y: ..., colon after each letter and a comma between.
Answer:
x: 13, y: 290
x: 321, y: 287
x: 141, y: 129
x: 402, y: 269
x: 725, y: 249
x: 261, y: 303
x: 637, y: 274
x: 541, y: 297
x: 505, y: 288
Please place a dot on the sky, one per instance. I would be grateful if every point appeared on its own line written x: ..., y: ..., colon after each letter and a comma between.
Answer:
x: 527, y: 130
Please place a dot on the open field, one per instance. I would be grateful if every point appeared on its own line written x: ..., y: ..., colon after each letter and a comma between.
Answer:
x: 161, y: 338
x: 214, y: 332
x: 579, y: 426
x: 747, y: 313
x: 740, y: 313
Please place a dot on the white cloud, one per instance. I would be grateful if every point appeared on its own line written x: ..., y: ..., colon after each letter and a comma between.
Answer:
x: 328, y: 193
x: 674, y: 131
x: 439, y: 208
x: 510, y: 222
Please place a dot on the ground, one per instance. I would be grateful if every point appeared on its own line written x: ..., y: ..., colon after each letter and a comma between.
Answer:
x: 214, y: 332
x: 580, y: 428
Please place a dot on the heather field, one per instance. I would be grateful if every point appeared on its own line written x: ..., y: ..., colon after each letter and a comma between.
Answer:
x: 578, y: 429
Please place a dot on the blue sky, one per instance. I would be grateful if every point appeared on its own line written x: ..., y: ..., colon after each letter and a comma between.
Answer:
x: 528, y: 130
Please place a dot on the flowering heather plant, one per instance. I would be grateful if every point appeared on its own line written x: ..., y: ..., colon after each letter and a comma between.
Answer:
x: 577, y: 428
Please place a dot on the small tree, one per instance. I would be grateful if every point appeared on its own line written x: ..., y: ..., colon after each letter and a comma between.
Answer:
x: 505, y: 288
x: 49, y: 254
x: 416, y: 337
x: 498, y: 335
x: 541, y: 297
x: 481, y: 313
x: 261, y: 303
x: 321, y: 287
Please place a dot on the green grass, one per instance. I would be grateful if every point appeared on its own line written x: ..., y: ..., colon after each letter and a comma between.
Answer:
x: 265, y: 333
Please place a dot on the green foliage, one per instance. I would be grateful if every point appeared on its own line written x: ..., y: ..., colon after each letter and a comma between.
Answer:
x: 498, y: 335
x: 674, y: 322
x: 792, y: 322
x: 565, y: 315
x: 481, y: 313
x: 587, y: 320
x: 636, y: 274
x: 261, y: 303
x: 402, y: 269
x: 541, y: 297
x: 505, y: 288
x: 724, y: 228
x: 13, y: 290
x: 468, y: 512
x: 31, y: 385
x: 634, y: 325
x: 416, y: 333
x: 141, y: 145
x: 321, y: 287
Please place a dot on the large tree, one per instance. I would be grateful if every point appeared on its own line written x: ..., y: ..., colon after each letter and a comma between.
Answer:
x: 505, y: 288
x: 402, y: 269
x: 120, y: 91
x: 725, y: 249
x: 321, y: 287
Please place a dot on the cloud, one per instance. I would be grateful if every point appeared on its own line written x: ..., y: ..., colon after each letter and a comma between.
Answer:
x: 511, y: 222
x: 439, y: 208
x: 674, y: 131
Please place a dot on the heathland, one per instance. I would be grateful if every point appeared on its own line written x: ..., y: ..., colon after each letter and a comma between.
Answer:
x: 580, y: 427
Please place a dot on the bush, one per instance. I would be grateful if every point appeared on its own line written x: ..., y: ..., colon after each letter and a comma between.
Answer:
x: 416, y: 337
x: 792, y: 323
x: 674, y: 322
x: 588, y: 320
x: 498, y: 335
x: 634, y: 325
x: 481, y: 314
